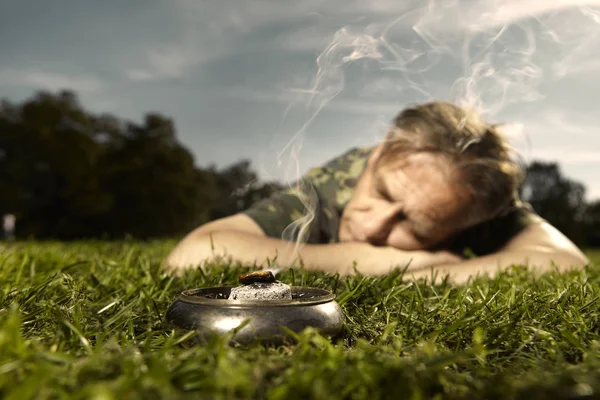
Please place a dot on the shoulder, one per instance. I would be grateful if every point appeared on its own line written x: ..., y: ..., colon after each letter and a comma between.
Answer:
x: 352, y: 162
x: 316, y: 198
x: 350, y: 157
x: 537, y: 234
x: 336, y: 179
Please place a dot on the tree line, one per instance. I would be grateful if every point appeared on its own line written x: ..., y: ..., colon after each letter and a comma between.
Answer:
x: 67, y: 173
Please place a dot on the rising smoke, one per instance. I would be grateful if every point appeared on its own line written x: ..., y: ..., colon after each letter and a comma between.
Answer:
x: 495, y: 54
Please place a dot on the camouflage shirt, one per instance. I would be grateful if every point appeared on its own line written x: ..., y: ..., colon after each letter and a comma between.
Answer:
x: 326, y: 190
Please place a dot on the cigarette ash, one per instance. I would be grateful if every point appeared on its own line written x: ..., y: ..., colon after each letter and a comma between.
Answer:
x: 261, y: 286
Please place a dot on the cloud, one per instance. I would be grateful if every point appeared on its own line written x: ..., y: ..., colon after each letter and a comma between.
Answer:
x: 238, y: 17
x: 425, y: 19
x: 164, y: 63
x: 568, y: 155
x: 593, y: 193
x: 458, y: 50
x: 38, y: 79
x: 301, y: 40
x: 565, y: 136
x: 471, y: 16
x: 208, y: 31
x: 563, y: 122
x: 502, y: 12
x: 300, y: 98
x: 211, y: 30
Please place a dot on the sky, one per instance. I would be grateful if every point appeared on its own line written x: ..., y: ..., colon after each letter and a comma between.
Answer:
x: 290, y: 84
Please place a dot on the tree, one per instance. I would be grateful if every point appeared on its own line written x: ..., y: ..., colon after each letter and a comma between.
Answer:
x: 559, y: 200
x: 157, y: 189
x: 592, y: 224
x: 47, y: 171
x: 239, y: 188
x: 67, y: 173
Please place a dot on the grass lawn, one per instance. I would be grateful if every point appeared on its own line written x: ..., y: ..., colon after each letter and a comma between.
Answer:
x: 85, y: 320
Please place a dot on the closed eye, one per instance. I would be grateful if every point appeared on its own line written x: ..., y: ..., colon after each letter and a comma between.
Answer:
x: 420, y: 238
x: 419, y: 234
x: 400, y: 216
x: 384, y: 196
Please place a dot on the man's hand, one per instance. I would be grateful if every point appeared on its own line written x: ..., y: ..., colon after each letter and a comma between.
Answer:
x: 382, y: 260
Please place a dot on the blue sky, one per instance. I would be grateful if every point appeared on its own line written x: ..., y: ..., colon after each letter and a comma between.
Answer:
x: 291, y: 84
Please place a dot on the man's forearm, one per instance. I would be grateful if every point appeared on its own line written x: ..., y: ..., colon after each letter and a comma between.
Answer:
x: 250, y: 249
x: 490, y: 265
x: 235, y: 246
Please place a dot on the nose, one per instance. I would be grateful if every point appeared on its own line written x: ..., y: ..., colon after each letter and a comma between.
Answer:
x: 378, y: 225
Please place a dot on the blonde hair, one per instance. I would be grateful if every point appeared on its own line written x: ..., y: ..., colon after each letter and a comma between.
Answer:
x: 480, y: 155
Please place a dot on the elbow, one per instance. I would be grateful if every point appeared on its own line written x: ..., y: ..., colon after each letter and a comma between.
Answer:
x: 566, y: 260
x: 198, y: 247
x: 578, y: 260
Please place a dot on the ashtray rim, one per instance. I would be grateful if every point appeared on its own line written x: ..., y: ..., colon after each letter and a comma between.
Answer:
x: 191, y: 296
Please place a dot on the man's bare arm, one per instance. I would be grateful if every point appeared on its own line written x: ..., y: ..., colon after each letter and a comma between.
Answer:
x: 239, y: 240
x: 540, y: 247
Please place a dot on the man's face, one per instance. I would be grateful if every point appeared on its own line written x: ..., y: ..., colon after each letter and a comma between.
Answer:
x: 411, y: 205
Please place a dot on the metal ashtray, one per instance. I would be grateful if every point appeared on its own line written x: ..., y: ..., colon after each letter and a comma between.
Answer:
x: 257, y: 310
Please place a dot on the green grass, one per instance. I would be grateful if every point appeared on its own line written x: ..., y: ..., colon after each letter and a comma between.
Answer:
x: 85, y: 320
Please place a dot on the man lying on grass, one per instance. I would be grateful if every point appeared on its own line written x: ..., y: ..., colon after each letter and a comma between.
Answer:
x: 439, y: 194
